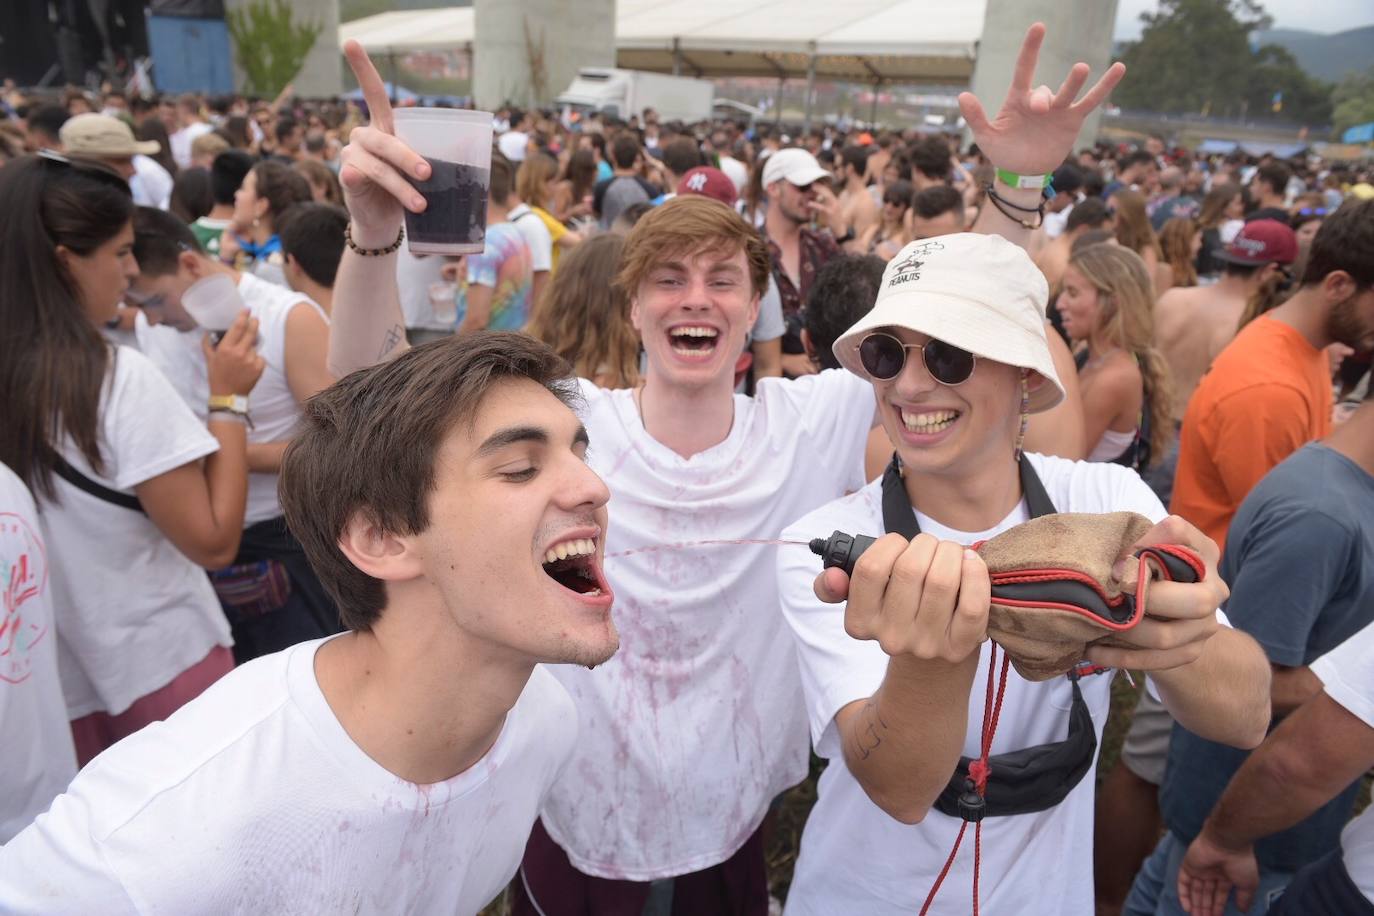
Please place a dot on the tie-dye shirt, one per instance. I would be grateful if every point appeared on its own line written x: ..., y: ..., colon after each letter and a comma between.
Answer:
x: 505, y: 267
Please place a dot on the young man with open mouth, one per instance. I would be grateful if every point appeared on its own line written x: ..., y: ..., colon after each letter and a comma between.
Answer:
x: 690, y: 732
x: 445, y: 502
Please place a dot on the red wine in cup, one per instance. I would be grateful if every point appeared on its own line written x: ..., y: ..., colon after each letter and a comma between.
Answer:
x: 455, y: 205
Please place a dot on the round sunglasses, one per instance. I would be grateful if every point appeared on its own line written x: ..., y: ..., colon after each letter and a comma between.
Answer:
x: 883, y: 356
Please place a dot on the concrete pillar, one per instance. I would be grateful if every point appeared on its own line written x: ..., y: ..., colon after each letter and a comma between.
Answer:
x: 1075, y: 30
x: 322, y: 73
x: 530, y: 50
x: 810, y: 90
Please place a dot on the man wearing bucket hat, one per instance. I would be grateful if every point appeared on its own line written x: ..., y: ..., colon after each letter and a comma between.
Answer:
x: 109, y: 140
x: 957, y: 353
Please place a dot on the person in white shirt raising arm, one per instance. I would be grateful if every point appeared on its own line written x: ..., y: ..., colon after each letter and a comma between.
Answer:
x: 956, y: 351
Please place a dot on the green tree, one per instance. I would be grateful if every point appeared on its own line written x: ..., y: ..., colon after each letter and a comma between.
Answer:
x: 1304, y: 98
x: 1353, y: 101
x: 269, y: 44
x: 1192, y: 56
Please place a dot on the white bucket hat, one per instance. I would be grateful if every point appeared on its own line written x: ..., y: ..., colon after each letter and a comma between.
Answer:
x: 978, y: 292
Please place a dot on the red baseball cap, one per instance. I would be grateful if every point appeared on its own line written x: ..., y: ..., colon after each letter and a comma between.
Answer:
x: 708, y: 182
x: 1263, y: 241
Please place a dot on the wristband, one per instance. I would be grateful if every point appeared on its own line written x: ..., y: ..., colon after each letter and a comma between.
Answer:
x: 237, y: 403
x: 1023, y: 182
x: 225, y: 413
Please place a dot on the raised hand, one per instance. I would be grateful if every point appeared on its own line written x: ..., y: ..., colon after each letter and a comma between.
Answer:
x: 1036, y: 128
x: 374, y: 164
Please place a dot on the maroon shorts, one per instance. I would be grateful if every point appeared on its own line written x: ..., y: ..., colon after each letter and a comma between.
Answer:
x: 99, y: 730
x: 548, y: 885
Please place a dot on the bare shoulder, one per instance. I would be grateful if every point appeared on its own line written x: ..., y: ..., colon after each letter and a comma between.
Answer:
x: 1176, y: 299
x: 1118, y: 374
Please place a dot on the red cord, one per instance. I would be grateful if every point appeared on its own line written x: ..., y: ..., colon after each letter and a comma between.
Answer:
x: 930, y: 898
x: 978, y: 772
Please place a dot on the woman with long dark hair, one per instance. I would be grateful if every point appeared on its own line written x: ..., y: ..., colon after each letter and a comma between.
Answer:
x: 135, y: 494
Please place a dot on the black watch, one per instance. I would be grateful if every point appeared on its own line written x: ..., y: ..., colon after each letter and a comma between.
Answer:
x: 847, y: 237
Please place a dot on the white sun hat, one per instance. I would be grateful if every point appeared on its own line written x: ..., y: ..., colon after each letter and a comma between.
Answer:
x: 978, y: 292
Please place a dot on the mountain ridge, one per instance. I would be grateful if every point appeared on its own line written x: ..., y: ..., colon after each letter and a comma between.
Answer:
x: 1326, y: 56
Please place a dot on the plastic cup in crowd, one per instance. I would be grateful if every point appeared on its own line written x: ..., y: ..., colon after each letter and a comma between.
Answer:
x: 213, y: 301
x: 457, y: 146
x: 443, y: 299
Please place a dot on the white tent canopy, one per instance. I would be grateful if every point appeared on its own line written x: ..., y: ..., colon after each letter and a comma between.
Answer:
x: 895, y: 41
x: 444, y: 29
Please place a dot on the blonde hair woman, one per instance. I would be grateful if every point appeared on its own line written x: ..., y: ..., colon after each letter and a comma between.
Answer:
x: 585, y: 316
x: 1133, y: 231
x: 1180, y: 240
x: 1107, y: 304
x: 535, y: 183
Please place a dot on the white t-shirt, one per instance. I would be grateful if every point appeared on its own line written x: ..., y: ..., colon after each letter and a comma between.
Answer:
x: 696, y: 723
x: 151, y: 184
x: 252, y: 798
x: 272, y: 404
x: 132, y: 610
x: 536, y: 236
x: 854, y: 857
x: 1347, y: 676
x: 39, y: 759
x: 181, y: 142
x: 414, y: 274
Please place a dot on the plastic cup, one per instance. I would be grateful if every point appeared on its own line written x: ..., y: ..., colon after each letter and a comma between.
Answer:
x: 443, y: 299
x: 213, y: 301
x: 457, y: 146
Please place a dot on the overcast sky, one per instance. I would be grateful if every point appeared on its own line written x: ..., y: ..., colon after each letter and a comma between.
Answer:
x: 1312, y: 15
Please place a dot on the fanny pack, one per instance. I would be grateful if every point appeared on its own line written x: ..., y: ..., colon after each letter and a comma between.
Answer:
x: 250, y: 590
x: 1053, y: 595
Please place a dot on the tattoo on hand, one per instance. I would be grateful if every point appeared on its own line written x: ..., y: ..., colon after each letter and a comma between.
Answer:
x: 393, y: 338
x: 866, y: 737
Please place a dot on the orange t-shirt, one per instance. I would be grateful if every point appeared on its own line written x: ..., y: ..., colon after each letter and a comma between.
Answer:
x: 1265, y: 396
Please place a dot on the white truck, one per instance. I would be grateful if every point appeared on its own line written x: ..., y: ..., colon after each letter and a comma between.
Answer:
x: 628, y: 92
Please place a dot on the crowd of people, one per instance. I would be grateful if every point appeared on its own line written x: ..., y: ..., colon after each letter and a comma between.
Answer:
x: 340, y: 577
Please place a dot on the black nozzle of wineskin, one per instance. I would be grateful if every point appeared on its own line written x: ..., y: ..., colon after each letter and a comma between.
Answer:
x: 841, y: 550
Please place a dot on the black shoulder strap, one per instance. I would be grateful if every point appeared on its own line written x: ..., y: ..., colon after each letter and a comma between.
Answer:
x: 899, y: 517
x: 79, y: 480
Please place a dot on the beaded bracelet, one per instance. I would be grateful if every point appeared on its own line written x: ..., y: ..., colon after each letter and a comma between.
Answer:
x: 372, y: 252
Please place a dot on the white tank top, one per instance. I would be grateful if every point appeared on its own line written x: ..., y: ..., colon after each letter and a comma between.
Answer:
x: 272, y: 405
x: 1108, y: 448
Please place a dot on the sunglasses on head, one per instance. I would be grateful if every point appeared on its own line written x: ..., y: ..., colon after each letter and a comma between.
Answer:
x: 883, y: 357
x: 1312, y: 211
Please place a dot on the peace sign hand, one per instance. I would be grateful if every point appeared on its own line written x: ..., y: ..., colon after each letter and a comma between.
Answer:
x: 1036, y: 128
x: 374, y: 164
